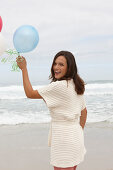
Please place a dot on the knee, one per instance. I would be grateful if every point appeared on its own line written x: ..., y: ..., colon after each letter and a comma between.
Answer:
x: 75, y: 167
x: 56, y: 168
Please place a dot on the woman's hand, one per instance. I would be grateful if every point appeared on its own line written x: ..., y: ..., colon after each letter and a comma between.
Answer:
x: 83, y: 117
x: 21, y: 62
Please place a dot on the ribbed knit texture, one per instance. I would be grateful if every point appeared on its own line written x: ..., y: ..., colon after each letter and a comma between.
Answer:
x: 66, y: 136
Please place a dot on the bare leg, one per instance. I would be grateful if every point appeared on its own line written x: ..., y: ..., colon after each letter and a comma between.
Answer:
x: 75, y: 167
x: 70, y: 168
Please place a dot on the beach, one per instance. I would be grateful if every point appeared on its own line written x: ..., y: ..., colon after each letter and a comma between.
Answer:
x: 24, y: 147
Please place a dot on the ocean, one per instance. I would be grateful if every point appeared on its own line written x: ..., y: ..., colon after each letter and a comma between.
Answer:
x: 15, y: 108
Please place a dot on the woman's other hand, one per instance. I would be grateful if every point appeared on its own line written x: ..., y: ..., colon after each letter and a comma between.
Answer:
x: 83, y: 117
x: 21, y: 62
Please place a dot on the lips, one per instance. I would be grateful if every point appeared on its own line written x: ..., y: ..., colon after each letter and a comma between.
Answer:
x: 57, y: 72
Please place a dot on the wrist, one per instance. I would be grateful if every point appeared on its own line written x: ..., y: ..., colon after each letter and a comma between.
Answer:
x: 25, y: 68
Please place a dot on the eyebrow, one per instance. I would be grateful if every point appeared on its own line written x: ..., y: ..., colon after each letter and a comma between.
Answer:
x: 59, y: 62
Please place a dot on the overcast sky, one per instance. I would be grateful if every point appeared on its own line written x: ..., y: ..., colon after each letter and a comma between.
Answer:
x: 84, y: 27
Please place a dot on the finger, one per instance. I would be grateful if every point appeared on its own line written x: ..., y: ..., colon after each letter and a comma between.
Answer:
x: 19, y: 61
x: 20, y: 58
x: 23, y: 58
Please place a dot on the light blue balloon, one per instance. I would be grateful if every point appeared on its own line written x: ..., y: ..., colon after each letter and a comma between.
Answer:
x: 25, y: 38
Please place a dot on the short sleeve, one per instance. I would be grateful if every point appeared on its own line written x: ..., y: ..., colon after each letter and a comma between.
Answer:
x: 83, y: 103
x: 50, y: 93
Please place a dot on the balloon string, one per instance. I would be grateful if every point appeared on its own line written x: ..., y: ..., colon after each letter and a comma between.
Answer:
x: 11, y: 54
x: 18, y: 53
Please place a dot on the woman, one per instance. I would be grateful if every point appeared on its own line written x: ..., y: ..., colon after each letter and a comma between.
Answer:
x: 65, y: 100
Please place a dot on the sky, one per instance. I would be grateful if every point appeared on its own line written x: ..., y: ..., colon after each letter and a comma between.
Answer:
x: 83, y: 27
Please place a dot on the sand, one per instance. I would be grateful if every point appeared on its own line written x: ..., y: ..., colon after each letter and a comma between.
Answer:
x: 24, y: 147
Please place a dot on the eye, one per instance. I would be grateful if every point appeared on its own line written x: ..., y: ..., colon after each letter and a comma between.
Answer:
x: 54, y: 64
x: 61, y: 64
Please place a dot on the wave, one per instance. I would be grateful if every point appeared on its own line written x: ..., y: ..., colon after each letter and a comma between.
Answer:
x: 93, y: 93
x: 17, y: 92
x: 99, y: 86
x: 88, y: 86
x: 107, y: 119
x: 8, y: 121
x: 13, y: 92
x: 99, y: 89
x: 31, y: 119
x: 14, y: 88
x: 12, y: 118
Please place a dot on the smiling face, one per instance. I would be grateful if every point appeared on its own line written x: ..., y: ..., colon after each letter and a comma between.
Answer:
x: 60, y: 67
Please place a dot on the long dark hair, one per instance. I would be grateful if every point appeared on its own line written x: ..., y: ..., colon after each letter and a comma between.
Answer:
x: 72, y: 71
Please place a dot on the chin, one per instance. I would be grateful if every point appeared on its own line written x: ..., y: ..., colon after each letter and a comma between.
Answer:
x: 58, y: 78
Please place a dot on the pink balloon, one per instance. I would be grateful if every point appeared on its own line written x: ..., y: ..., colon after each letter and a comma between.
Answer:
x: 1, y: 23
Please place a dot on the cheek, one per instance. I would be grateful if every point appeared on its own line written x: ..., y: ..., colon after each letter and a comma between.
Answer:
x: 53, y: 68
x: 65, y: 70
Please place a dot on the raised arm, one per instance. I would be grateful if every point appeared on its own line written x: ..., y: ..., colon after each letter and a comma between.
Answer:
x: 83, y: 117
x: 30, y: 93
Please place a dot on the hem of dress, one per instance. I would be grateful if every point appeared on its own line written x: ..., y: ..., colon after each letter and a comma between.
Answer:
x: 68, y: 165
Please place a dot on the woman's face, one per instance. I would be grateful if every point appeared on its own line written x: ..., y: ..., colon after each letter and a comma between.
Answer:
x: 60, y: 67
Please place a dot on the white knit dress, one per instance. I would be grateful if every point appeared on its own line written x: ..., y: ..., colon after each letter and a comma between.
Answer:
x: 66, y: 137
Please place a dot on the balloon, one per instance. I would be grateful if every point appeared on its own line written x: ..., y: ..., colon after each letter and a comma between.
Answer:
x: 2, y: 44
x: 1, y: 23
x: 25, y: 38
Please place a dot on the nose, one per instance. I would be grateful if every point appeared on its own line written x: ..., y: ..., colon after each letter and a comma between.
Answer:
x: 56, y: 67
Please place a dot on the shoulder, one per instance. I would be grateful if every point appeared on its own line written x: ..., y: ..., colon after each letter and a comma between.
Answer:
x: 53, y: 86
x: 58, y: 83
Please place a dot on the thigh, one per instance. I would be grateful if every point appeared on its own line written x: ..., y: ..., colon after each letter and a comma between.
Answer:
x: 70, y: 168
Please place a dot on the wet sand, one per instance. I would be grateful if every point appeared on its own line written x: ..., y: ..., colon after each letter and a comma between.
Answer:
x: 24, y: 147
